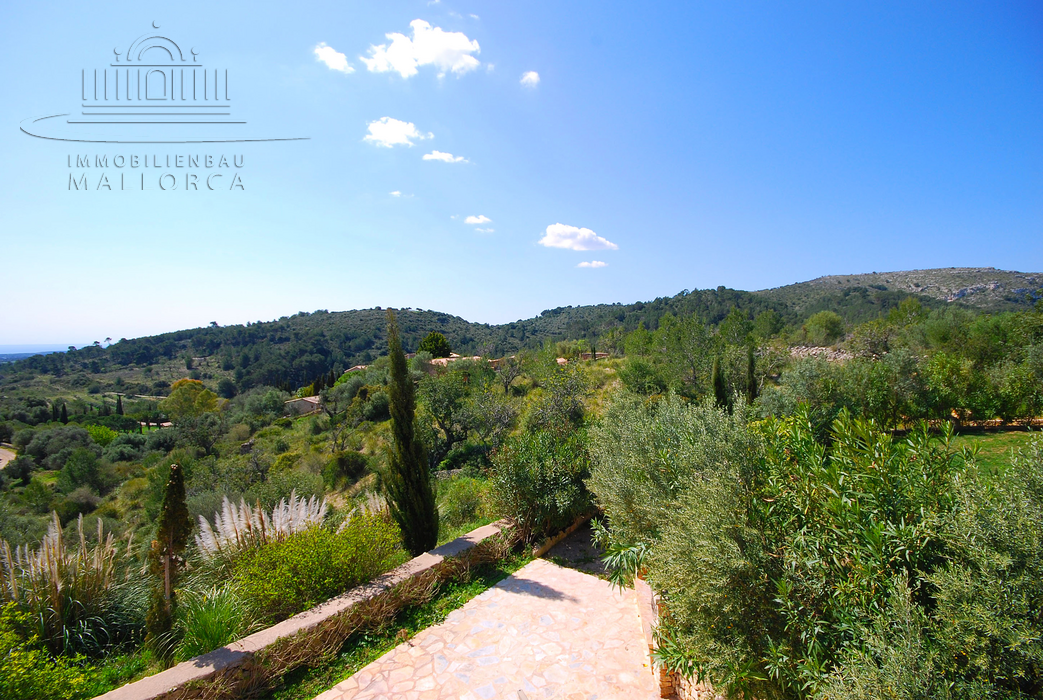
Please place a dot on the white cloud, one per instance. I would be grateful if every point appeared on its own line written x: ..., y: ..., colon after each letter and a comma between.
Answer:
x: 448, y: 51
x: 475, y: 17
x: 593, y: 263
x: 444, y: 157
x: 530, y: 79
x: 485, y: 230
x: 396, y: 193
x: 333, y: 59
x: 572, y: 238
x: 480, y: 219
x: 490, y: 67
x: 388, y: 132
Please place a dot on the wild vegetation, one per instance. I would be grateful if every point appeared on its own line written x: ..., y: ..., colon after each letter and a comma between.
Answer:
x: 791, y: 477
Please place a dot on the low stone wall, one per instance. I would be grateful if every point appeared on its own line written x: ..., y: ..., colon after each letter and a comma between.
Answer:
x: 671, y: 685
x: 246, y: 666
x: 544, y: 547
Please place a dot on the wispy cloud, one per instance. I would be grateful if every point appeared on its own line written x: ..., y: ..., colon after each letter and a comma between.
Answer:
x: 476, y: 220
x: 593, y: 263
x: 388, y: 132
x: 530, y: 79
x: 444, y: 157
x: 333, y: 59
x: 485, y: 230
x: 447, y: 51
x: 574, y: 238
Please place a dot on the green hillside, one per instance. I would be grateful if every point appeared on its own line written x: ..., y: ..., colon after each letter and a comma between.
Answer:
x: 294, y: 350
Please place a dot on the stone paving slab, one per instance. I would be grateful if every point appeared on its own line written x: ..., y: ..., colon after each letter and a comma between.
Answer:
x: 546, y: 632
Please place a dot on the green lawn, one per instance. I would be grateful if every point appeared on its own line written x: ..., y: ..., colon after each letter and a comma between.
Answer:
x: 994, y: 449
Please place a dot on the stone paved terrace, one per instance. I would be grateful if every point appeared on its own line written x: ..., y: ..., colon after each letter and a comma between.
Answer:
x: 544, y: 632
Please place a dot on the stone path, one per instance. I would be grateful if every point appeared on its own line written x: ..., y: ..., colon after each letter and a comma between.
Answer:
x: 544, y: 632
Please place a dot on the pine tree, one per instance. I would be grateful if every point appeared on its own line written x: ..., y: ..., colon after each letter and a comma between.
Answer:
x: 165, y: 556
x: 411, y: 497
x: 64, y: 415
x: 119, y: 405
x: 720, y: 389
x: 751, y: 377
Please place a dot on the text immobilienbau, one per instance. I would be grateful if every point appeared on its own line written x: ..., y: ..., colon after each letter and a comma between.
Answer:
x: 179, y: 172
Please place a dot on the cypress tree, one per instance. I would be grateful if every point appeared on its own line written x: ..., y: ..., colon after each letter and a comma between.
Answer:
x: 751, y: 377
x: 64, y: 415
x: 165, y: 556
x: 119, y: 405
x: 720, y: 390
x: 54, y: 412
x: 411, y: 497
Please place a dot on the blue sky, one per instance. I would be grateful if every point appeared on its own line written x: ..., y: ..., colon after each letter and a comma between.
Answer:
x: 667, y: 145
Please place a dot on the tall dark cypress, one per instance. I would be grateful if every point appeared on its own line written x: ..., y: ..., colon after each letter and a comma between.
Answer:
x: 119, y: 405
x: 54, y: 412
x: 165, y: 558
x: 64, y: 415
x: 751, y: 377
x: 411, y: 496
x: 720, y: 388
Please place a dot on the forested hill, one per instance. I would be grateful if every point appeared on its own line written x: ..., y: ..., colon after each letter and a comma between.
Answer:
x: 294, y: 350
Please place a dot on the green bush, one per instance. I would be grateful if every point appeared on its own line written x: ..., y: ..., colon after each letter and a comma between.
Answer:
x: 874, y: 567
x: 284, y: 578
x: 27, y: 671
x: 344, y: 469
x: 537, y: 481
x: 462, y: 500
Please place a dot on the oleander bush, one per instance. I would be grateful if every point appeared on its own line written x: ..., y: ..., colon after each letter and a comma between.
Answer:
x: 282, y: 578
x: 538, y: 481
x: 874, y: 567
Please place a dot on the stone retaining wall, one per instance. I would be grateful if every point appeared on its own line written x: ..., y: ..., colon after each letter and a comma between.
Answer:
x: 244, y: 666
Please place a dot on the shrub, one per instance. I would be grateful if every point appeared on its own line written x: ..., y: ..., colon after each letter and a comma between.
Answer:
x: 344, y: 468
x: 28, y: 671
x: 283, y: 578
x: 873, y: 568
x: 101, y: 435
x: 463, y: 500
x: 537, y: 481
x: 81, y: 469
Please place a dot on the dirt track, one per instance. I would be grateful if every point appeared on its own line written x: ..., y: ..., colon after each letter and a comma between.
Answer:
x: 6, y: 455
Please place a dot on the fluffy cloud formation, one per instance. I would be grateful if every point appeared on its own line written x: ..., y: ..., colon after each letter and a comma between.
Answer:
x: 396, y: 193
x: 573, y: 238
x: 444, y: 157
x: 593, y: 263
x: 447, y: 51
x: 388, y: 132
x: 480, y: 219
x: 333, y: 59
x: 530, y: 79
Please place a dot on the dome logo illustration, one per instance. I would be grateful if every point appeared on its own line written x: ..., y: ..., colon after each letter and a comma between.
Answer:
x: 153, y: 92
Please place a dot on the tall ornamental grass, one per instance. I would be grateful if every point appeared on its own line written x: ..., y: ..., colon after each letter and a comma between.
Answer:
x: 73, y: 593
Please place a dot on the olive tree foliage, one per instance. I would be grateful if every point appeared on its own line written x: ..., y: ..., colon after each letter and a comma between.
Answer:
x: 876, y: 567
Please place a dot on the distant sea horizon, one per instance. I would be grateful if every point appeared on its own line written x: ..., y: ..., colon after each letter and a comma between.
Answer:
x: 32, y: 348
